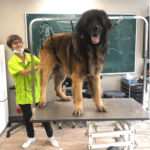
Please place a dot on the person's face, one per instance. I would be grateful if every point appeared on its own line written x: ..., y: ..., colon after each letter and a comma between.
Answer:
x: 17, y: 45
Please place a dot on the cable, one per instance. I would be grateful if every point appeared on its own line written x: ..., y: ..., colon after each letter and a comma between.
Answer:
x: 4, y: 100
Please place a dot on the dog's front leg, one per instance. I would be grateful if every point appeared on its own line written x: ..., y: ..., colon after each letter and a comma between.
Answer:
x: 96, y: 92
x: 77, y: 83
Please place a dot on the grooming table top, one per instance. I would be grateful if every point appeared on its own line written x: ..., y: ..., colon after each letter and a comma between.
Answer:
x: 118, y: 109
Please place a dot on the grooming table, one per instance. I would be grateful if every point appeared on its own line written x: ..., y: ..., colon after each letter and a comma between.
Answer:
x: 120, y: 110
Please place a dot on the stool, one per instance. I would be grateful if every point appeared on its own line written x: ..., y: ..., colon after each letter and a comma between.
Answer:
x: 113, y: 94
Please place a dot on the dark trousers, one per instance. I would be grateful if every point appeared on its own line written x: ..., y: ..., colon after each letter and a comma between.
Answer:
x: 27, y: 113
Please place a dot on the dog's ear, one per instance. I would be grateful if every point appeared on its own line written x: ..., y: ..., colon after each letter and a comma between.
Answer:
x: 79, y: 27
x: 106, y: 21
x: 109, y: 25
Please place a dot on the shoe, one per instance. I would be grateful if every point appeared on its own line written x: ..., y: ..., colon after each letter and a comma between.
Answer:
x: 28, y: 142
x: 53, y: 141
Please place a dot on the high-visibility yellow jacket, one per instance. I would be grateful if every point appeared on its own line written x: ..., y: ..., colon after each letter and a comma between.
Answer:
x: 23, y: 84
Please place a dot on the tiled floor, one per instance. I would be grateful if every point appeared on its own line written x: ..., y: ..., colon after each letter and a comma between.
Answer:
x: 68, y: 138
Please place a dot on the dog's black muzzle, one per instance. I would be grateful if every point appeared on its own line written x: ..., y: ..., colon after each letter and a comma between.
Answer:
x: 96, y: 31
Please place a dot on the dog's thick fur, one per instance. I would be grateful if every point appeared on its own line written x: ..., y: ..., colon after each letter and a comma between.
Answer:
x: 81, y: 54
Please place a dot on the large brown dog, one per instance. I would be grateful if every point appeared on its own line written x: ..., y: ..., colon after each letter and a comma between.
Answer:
x: 81, y: 54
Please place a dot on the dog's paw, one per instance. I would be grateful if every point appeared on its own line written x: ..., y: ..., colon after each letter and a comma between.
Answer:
x: 67, y: 98
x: 41, y: 104
x: 102, y: 108
x: 78, y: 112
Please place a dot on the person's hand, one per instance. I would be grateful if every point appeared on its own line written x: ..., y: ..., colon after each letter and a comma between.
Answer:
x: 18, y: 107
x: 37, y: 67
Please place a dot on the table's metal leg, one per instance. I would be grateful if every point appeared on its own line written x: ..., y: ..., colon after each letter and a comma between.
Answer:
x: 131, y: 137
x: 89, y: 126
x: 123, y: 135
x: 126, y: 125
x: 118, y: 139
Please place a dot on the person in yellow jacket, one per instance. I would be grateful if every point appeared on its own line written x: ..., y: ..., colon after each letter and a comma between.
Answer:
x: 19, y: 66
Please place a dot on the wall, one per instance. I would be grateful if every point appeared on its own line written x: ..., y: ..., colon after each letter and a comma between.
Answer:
x: 12, y: 21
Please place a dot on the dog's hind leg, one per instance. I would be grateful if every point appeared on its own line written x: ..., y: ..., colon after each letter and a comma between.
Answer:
x: 58, y: 80
x: 45, y: 72
x: 96, y: 92
x: 77, y: 83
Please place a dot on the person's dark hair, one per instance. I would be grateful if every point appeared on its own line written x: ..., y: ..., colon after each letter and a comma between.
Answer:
x: 11, y: 39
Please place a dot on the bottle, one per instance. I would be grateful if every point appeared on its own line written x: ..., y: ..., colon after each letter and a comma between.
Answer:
x: 19, y: 109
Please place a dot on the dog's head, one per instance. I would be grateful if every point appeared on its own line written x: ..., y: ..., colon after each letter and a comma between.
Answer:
x: 93, y: 26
